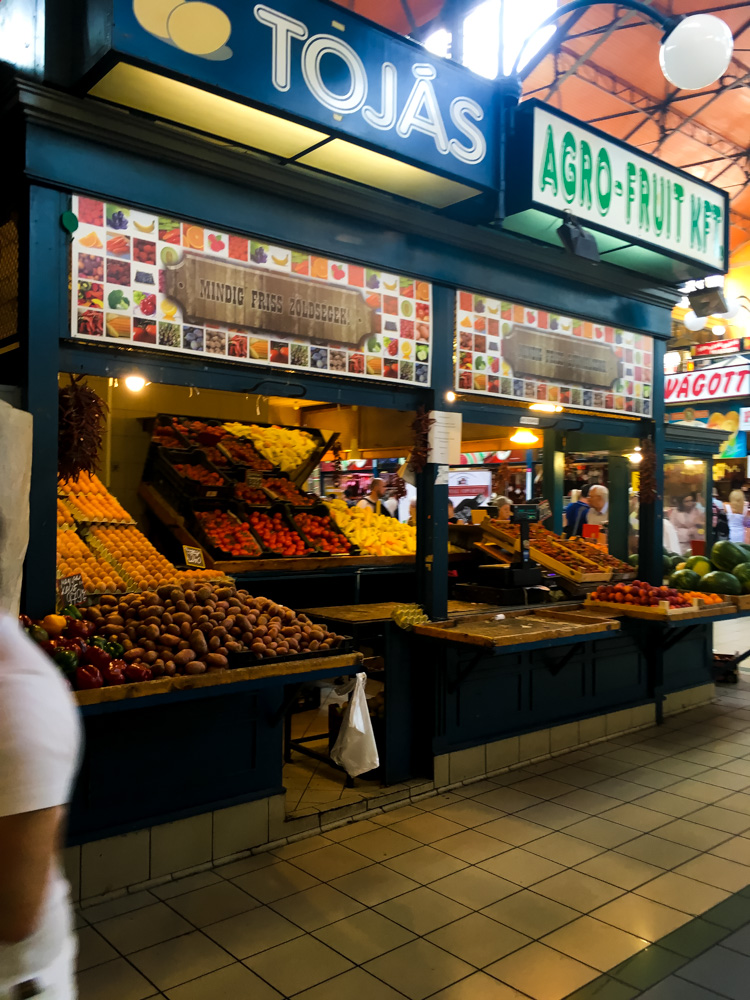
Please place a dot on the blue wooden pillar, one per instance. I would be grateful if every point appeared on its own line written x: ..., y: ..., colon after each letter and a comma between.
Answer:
x: 44, y: 275
x: 651, y: 539
x: 432, y: 499
x: 553, y: 478
x: 619, y: 487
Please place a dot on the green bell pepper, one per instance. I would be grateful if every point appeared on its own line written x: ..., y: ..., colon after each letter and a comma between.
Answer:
x: 67, y: 659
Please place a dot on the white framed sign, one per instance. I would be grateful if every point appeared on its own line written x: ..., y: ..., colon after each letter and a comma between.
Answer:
x: 710, y: 383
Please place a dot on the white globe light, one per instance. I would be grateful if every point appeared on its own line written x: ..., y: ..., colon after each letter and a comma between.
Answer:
x: 692, y: 322
x: 733, y: 307
x: 696, y: 52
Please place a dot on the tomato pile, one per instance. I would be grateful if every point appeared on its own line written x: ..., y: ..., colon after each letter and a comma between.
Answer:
x: 249, y: 494
x: 228, y: 534
x: 276, y: 535
x: 200, y: 474
x: 320, y: 531
x: 244, y: 453
x: 288, y: 491
x: 640, y: 593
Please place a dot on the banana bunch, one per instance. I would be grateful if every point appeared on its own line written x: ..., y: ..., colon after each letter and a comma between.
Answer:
x: 286, y: 447
x: 406, y: 616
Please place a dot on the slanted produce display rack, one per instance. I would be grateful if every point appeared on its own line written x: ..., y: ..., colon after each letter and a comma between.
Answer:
x: 593, y: 575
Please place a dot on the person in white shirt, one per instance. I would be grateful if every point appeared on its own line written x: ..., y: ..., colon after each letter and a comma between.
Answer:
x: 599, y: 503
x: 377, y: 493
x: 39, y: 749
x: 736, y: 516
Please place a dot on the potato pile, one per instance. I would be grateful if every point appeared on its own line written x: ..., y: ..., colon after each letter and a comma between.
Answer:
x: 176, y: 631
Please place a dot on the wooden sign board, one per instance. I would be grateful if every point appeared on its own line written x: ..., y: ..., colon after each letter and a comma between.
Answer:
x: 253, y: 479
x: 218, y: 291
x: 536, y: 354
x: 194, y: 557
x: 72, y: 590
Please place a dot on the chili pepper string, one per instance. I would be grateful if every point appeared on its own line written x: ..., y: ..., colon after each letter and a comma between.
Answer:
x: 81, y: 414
x: 647, y: 473
x: 420, y: 449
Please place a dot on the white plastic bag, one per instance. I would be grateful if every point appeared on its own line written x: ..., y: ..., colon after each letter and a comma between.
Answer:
x: 355, y: 749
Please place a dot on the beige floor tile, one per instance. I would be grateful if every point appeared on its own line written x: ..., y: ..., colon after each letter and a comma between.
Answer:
x: 656, y: 851
x: 427, y: 827
x: 381, y: 844
x: 601, y: 831
x: 553, y: 815
x: 246, y: 865
x: 693, y: 835
x: 252, y: 932
x: 212, y: 903
x: 680, y: 768
x: 93, y: 949
x: 670, y: 803
x: 508, y: 800
x: 116, y: 980
x: 735, y: 849
x: 356, y: 984
x: 480, y: 986
x: 637, y: 758
x: 719, y: 818
x: 587, y: 801
x: 332, y: 862
x: 719, y: 872
x: 531, y: 914
x: 426, y: 864
x: 604, y: 765
x: 642, y: 917
x: 470, y: 846
x: 474, y: 888
x: 394, y: 816
x: 478, y: 939
x: 475, y: 788
x: 542, y: 973
x: 563, y: 849
x: 419, y: 969
x: 595, y: 943
x: 739, y: 802
x: 620, y: 788
x: 651, y: 778
x: 302, y: 847
x: 275, y: 881
x: 469, y: 813
x: 521, y: 867
x: 636, y: 817
x: 544, y: 787
x: 422, y: 910
x: 298, y: 965
x: 682, y: 893
x: 187, y: 884
x: 236, y: 982
x: 436, y: 802
x: 512, y: 830
x: 142, y: 928
x: 316, y: 907
x: 364, y: 936
x: 725, y: 779
x: 627, y: 873
x: 114, y: 907
x: 350, y: 830
x: 374, y: 885
x: 580, y: 777
x: 573, y: 888
x: 174, y: 962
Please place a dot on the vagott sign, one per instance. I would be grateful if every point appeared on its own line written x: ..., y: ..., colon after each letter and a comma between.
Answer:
x: 611, y: 188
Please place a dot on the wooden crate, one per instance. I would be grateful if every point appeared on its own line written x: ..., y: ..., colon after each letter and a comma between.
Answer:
x: 663, y: 612
x: 594, y: 575
x: 514, y: 628
x: 741, y: 601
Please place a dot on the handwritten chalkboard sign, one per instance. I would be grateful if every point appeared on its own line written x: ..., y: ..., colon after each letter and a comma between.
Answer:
x: 194, y: 557
x: 253, y: 479
x: 544, y: 509
x: 72, y: 590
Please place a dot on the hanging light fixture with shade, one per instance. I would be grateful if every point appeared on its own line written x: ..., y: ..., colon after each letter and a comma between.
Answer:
x: 524, y: 437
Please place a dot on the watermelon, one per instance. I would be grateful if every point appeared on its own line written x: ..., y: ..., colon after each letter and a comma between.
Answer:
x: 744, y: 548
x: 742, y: 572
x: 633, y: 560
x: 726, y: 555
x: 699, y: 565
x: 667, y: 566
x: 676, y: 560
x: 720, y: 583
x: 684, y: 579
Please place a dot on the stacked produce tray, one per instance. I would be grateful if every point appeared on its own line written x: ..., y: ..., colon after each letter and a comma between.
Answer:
x: 320, y: 510
x: 167, y: 462
x: 584, y: 570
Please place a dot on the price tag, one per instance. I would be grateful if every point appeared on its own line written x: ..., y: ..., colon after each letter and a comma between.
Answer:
x: 72, y: 590
x: 194, y: 557
x: 253, y: 479
x: 544, y: 509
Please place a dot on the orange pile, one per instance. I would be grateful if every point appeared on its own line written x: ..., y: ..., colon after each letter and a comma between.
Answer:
x: 98, y: 508
x: 138, y: 557
x: 63, y: 515
x: 85, y: 484
x: 706, y: 598
x: 99, y: 576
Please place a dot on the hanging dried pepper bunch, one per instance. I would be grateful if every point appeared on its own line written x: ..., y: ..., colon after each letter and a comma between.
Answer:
x: 336, y: 449
x: 81, y: 415
x: 647, y: 478
x: 399, y: 486
x: 420, y: 449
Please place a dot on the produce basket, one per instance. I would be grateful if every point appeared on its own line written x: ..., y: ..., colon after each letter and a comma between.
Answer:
x: 320, y: 510
x: 556, y: 563
x: 165, y: 464
x: 199, y: 533
x: 312, y: 500
x: 244, y: 511
x: 164, y: 434
x: 663, y: 612
x: 234, y: 447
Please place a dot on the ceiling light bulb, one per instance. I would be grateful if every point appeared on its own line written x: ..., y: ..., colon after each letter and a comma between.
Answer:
x: 692, y: 322
x: 135, y: 383
x: 696, y: 52
x: 718, y: 331
x: 524, y: 437
x: 546, y: 407
x: 635, y: 457
x: 450, y: 396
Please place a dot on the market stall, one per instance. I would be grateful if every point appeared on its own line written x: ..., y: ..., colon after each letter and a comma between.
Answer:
x: 235, y: 290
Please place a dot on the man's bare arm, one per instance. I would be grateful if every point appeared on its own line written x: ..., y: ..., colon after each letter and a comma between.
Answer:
x: 28, y: 844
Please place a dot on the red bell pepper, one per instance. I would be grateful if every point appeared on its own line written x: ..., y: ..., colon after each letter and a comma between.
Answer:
x: 95, y: 657
x: 78, y: 645
x: 24, y: 621
x: 78, y: 629
x: 114, y: 672
x: 88, y: 678
x: 137, y: 672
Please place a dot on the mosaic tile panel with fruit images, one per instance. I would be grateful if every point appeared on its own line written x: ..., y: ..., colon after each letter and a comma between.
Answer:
x: 118, y: 285
x: 484, y: 326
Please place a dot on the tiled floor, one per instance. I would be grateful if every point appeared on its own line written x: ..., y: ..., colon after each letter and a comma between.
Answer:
x: 616, y: 871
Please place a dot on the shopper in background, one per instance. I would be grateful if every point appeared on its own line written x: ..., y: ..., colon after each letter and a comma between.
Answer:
x: 576, y: 513
x: 687, y: 521
x: 737, y: 516
x: 377, y: 493
x: 39, y: 747
x: 719, y: 521
x: 452, y: 519
x: 599, y: 504
x: 504, y: 508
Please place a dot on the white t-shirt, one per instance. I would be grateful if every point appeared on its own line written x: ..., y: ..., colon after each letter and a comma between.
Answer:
x: 39, y: 745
